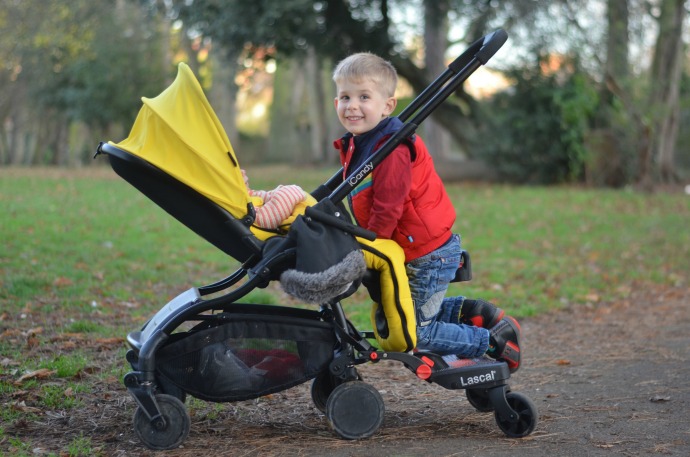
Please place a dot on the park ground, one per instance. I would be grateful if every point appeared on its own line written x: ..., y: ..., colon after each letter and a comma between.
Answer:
x: 607, y: 379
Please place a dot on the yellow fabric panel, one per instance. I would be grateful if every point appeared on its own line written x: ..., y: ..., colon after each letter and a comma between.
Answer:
x: 397, y: 305
x: 179, y: 132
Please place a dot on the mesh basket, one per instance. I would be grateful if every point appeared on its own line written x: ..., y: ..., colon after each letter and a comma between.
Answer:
x: 247, y: 356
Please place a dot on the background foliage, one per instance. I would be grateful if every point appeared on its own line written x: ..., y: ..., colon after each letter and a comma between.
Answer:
x: 592, y: 90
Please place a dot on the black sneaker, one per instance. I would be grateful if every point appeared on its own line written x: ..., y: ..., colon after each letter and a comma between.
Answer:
x: 480, y: 313
x: 504, y: 343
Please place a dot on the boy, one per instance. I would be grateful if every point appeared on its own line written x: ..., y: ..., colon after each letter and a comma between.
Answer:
x: 404, y: 200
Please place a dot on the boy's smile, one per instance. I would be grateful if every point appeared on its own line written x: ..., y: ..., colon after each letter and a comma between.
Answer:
x: 361, y: 105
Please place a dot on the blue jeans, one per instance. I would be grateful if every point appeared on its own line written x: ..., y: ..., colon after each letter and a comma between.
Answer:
x: 438, y: 326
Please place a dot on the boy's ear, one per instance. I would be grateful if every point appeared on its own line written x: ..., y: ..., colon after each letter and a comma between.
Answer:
x: 391, y: 103
x: 335, y: 102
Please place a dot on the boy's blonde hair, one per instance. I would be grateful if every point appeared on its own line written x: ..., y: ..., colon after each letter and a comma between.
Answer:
x: 367, y: 66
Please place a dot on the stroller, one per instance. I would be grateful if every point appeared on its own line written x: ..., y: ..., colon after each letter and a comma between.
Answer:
x: 209, y: 343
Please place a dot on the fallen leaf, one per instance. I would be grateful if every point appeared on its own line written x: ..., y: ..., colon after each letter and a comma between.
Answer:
x: 38, y: 374
x: 8, y: 363
x: 110, y: 341
x: 562, y: 362
x: 21, y: 406
x: 68, y: 345
x: 660, y: 398
x: 61, y: 281
x: 34, y: 331
x: 10, y: 332
x: 592, y: 297
x: 32, y: 342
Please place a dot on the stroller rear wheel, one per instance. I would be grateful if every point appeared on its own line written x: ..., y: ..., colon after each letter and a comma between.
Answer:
x: 321, y: 389
x: 355, y: 410
x: 168, y: 435
x: 323, y: 385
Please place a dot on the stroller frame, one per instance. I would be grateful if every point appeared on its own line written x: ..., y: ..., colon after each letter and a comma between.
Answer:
x: 355, y: 409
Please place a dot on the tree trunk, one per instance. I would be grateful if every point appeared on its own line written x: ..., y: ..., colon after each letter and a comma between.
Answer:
x: 612, y: 137
x: 664, y: 96
x: 223, y: 95
x: 436, y: 137
x: 316, y: 108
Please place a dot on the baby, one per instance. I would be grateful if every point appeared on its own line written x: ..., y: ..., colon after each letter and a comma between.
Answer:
x: 278, y: 204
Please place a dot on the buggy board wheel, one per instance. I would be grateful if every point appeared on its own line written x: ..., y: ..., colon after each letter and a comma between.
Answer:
x: 479, y: 399
x: 175, y: 430
x: 321, y: 388
x: 526, y: 420
x: 355, y: 410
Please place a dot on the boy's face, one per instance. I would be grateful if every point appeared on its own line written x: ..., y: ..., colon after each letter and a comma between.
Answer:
x: 361, y: 105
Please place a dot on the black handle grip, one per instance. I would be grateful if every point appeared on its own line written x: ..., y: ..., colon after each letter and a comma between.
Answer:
x: 334, y: 221
x: 492, y: 43
x: 483, y: 49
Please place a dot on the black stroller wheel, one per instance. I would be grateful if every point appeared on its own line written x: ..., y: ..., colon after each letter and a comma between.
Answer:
x: 527, y: 416
x: 479, y: 399
x: 321, y: 388
x: 355, y: 410
x: 175, y: 430
x: 323, y: 385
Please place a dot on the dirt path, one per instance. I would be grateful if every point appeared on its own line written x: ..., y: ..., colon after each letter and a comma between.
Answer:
x: 611, y: 379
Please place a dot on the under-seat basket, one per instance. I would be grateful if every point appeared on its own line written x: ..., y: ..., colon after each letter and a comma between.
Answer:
x: 247, y: 356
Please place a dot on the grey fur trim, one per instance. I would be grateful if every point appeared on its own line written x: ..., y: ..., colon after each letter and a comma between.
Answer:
x: 326, y: 285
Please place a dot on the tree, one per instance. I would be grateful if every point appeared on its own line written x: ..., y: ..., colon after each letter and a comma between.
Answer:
x: 336, y: 28
x: 655, y: 115
x: 665, y: 88
x: 435, y: 45
x: 71, y: 63
x: 611, y: 138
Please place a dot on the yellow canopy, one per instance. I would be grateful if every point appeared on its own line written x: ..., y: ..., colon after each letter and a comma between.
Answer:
x: 179, y: 132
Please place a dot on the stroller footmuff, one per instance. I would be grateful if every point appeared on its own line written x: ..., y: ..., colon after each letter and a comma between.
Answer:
x: 210, y: 343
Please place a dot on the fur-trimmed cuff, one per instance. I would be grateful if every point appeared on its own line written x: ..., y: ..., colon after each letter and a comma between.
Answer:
x: 323, y: 286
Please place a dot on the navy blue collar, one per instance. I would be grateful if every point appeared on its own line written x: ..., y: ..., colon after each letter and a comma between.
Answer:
x: 365, y: 143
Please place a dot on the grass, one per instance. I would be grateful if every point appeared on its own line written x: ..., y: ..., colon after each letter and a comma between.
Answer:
x: 96, y: 246
x: 86, y: 258
x: 538, y: 248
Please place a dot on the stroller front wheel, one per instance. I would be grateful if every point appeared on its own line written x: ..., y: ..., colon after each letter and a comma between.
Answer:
x: 170, y: 435
x: 355, y: 410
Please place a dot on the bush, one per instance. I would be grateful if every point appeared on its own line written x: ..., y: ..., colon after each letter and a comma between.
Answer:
x: 538, y: 126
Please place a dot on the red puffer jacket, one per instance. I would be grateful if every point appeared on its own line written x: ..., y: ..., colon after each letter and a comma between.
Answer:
x: 403, y: 199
